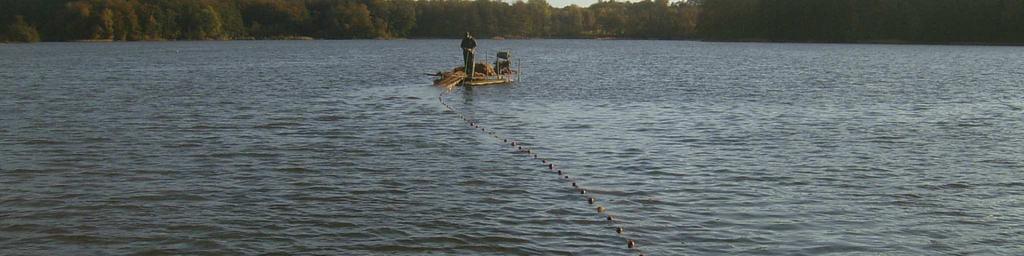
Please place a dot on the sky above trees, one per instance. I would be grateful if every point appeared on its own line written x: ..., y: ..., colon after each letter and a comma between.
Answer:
x: 564, y: 3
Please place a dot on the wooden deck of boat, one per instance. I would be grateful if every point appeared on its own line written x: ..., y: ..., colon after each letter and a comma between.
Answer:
x: 483, y: 82
x: 451, y: 80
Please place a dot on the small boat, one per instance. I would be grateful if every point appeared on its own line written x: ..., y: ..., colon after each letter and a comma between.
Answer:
x: 501, y: 72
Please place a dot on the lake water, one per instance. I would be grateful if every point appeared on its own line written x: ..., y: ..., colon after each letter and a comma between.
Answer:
x: 341, y: 147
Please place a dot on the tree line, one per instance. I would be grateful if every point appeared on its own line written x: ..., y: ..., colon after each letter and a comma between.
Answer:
x: 941, y: 21
x: 927, y: 21
x: 131, y: 20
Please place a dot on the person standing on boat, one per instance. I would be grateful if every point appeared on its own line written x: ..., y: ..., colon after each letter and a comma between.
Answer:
x: 468, y: 50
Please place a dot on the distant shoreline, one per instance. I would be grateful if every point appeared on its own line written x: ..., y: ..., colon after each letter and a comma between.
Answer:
x: 839, y: 21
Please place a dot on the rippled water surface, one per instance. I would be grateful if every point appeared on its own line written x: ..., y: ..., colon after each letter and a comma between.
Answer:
x: 341, y: 147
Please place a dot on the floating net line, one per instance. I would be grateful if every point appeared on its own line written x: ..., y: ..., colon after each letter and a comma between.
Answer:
x: 590, y: 198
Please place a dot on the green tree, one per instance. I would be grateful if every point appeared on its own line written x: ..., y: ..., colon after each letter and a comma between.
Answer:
x: 19, y: 31
x: 209, y: 24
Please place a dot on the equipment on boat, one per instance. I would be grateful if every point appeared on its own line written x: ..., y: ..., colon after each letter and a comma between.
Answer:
x: 501, y: 72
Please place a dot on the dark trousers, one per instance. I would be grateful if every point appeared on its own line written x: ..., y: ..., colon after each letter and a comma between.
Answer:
x: 467, y: 56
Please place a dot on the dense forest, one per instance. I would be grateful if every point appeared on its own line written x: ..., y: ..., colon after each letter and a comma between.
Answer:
x: 933, y: 21
x: 928, y: 21
x: 65, y: 20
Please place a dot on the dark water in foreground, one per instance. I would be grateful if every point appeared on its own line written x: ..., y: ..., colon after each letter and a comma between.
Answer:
x: 340, y: 147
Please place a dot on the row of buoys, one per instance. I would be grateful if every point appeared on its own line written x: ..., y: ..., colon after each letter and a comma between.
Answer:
x: 630, y: 243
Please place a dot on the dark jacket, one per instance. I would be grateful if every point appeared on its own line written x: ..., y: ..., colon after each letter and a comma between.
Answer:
x: 468, y: 42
